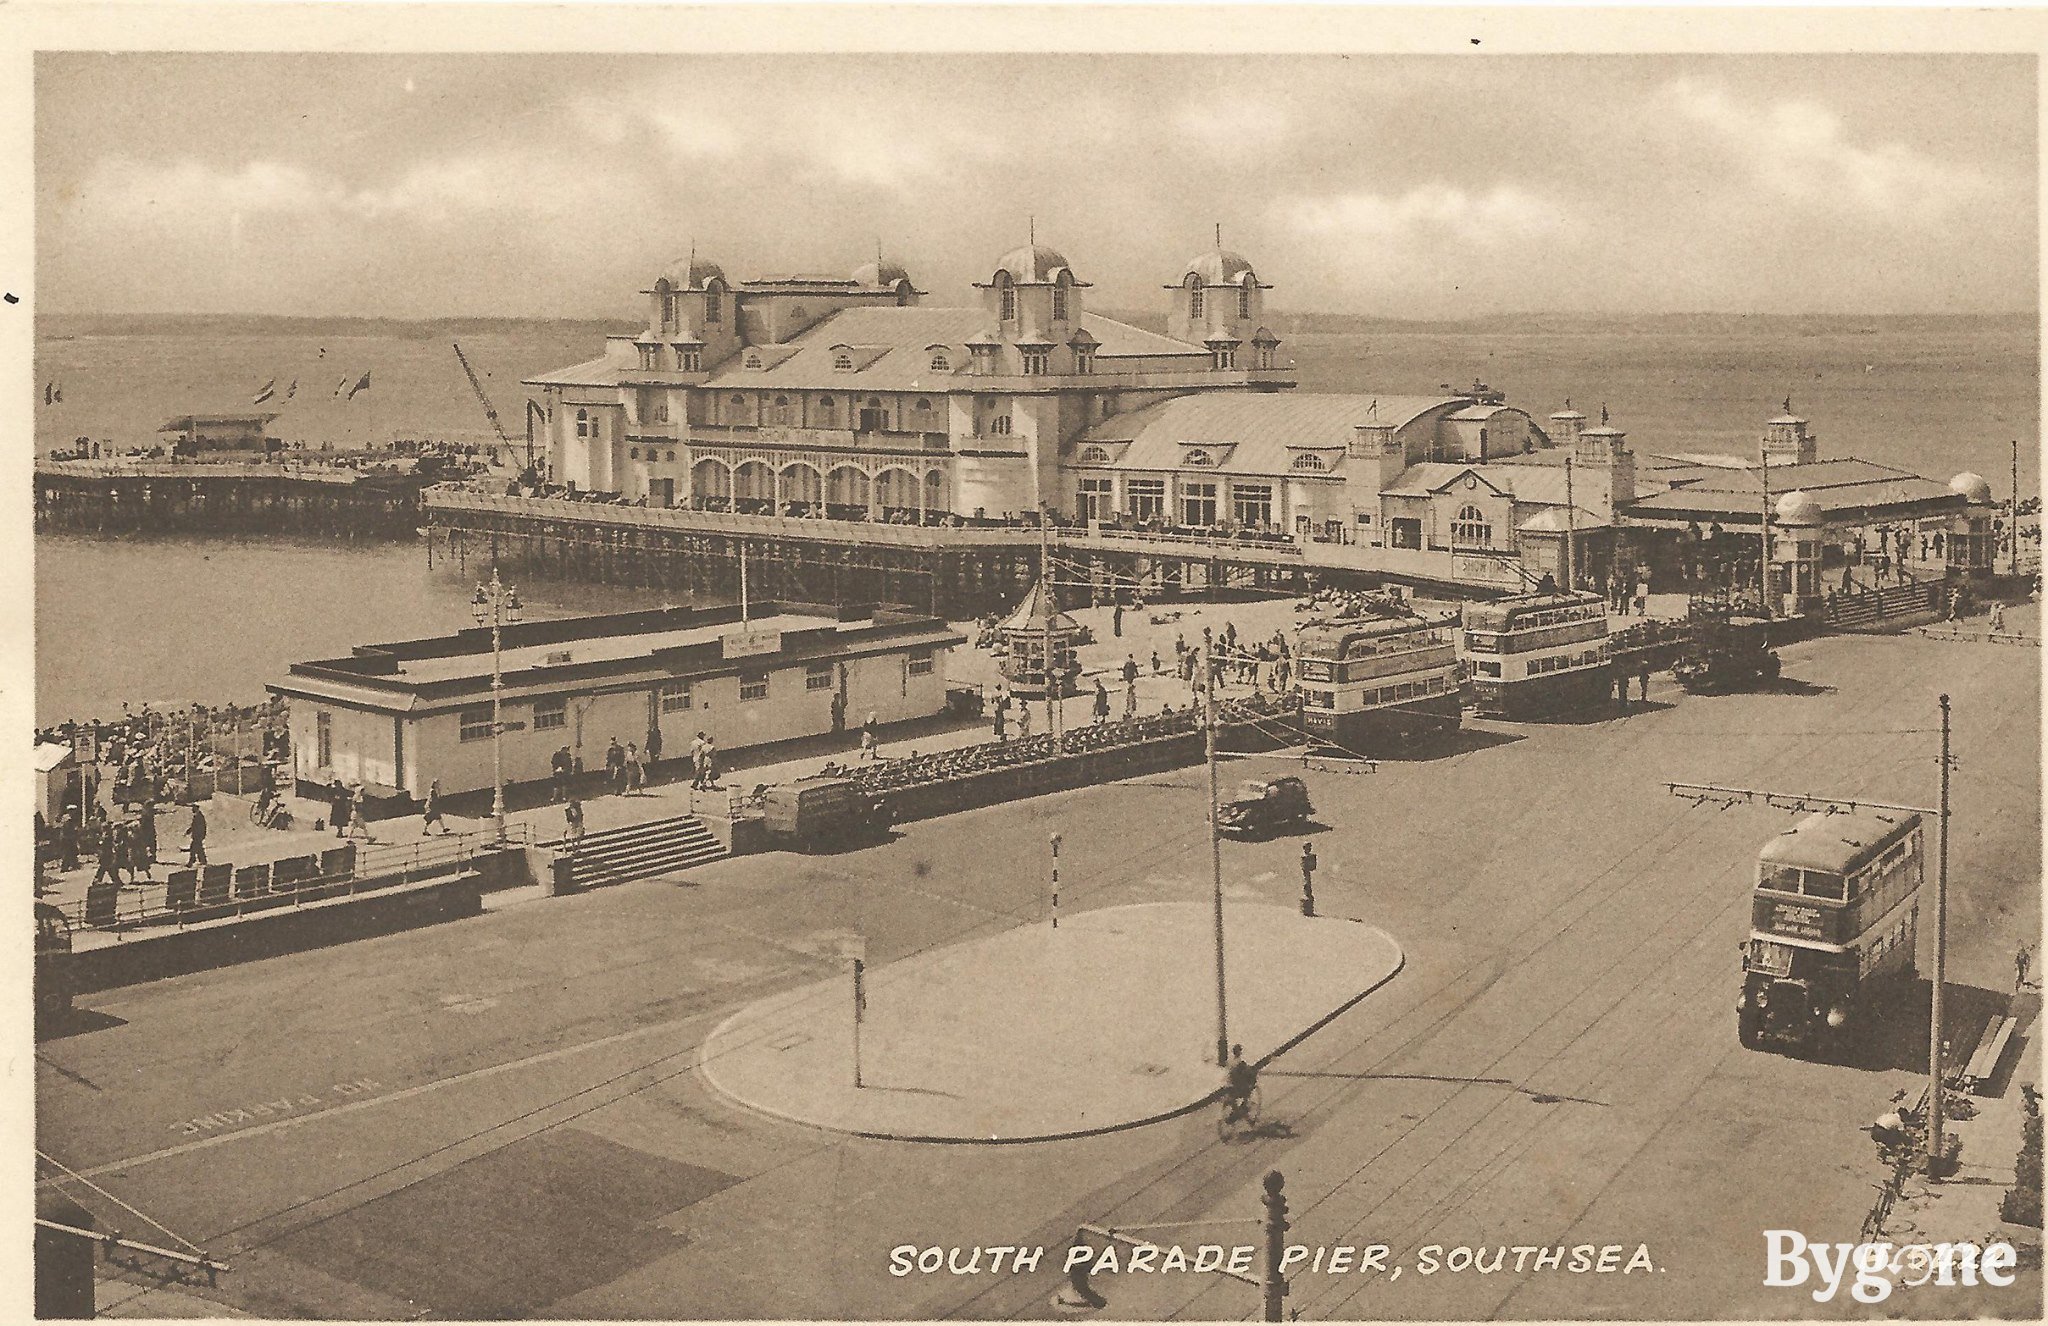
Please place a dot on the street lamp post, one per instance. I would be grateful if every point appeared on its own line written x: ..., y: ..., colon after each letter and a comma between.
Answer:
x: 497, y: 603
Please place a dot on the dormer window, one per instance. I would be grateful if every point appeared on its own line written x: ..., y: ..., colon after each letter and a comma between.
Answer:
x: 1000, y: 425
x: 1037, y: 363
x: 1095, y: 456
x: 648, y: 359
x: 842, y: 362
x: 1225, y: 356
x: 1309, y: 463
x: 753, y: 359
x: 1265, y: 356
x: 1084, y: 359
x: 1198, y: 459
x: 941, y: 363
x: 689, y: 358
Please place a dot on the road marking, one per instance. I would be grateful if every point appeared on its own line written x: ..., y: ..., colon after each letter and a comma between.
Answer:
x: 300, y: 1120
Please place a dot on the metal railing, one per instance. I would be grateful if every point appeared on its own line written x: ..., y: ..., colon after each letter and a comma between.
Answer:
x: 372, y: 866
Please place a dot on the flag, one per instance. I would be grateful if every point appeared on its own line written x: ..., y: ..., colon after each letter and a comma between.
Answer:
x: 265, y: 392
x: 362, y: 384
x: 58, y: 392
x: 342, y: 387
x: 49, y: 388
x: 292, y: 390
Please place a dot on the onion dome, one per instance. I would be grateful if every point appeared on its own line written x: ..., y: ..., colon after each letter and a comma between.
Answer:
x: 1973, y: 487
x: 1796, y: 508
x: 880, y: 274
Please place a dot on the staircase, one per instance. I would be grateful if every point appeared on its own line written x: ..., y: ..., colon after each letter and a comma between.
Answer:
x: 613, y: 856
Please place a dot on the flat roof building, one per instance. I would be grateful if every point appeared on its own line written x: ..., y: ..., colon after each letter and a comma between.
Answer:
x: 400, y: 715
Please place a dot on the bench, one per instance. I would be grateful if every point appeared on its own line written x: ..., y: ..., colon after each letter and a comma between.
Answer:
x: 1982, y: 1070
x: 181, y: 891
x: 214, y: 884
x: 252, y: 881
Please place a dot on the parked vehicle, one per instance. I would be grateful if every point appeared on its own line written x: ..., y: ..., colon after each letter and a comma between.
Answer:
x: 1726, y: 653
x: 824, y: 812
x: 53, y: 975
x: 1265, y: 805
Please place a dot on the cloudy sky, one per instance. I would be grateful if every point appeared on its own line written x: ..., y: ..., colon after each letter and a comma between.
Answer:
x: 1401, y: 186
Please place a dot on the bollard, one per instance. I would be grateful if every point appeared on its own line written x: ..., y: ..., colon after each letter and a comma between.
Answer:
x: 1276, y: 1245
x: 1308, y: 879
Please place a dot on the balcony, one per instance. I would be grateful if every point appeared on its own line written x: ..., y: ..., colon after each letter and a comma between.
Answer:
x: 823, y: 439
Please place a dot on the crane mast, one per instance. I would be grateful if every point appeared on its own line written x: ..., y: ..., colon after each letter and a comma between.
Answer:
x: 490, y: 410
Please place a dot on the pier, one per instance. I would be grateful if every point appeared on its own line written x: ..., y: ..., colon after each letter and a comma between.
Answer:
x: 126, y: 497
x: 956, y: 570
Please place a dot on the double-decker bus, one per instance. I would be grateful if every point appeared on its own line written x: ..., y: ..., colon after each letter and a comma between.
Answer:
x: 1832, y: 928
x: 1370, y: 683
x: 1535, y: 654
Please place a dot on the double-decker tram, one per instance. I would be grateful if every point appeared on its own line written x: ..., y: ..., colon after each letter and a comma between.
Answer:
x: 1374, y: 683
x: 1832, y: 927
x: 1535, y: 654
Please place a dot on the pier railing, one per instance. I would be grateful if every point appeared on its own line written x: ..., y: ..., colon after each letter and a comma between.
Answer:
x: 192, y: 894
x: 684, y: 520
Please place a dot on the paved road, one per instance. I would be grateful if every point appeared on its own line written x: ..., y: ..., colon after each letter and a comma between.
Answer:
x: 500, y: 1116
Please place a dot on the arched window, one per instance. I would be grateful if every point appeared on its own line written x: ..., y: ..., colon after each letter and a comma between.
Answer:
x: 1060, y: 294
x: 1095, y: 456
x: 843, y: 362
x: 906, y: 294
x: 583, y: 423
x: 737, y: 401
x: 1007, y: 297
x: 1194, y: 295
x: 1471, y: 529
x: 753, y: 359
x: 671, y: 455
x: 1198, y: 459
x: 922, y: 405
x: 940, y: 363
x: 1000, y: 425
x: 1309, y: 461
x: 1244, y: 294
x: 826, y: 407
x: 714, y: 303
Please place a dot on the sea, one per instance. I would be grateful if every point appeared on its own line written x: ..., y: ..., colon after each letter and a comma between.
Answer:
x: 176, y: 620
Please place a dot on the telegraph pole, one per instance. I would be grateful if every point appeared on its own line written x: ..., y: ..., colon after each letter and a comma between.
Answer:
x: 1571, y: 517
x: 1763, y: 469
x: 2012, y: 516
x: 1052, y: 713
x: 1215, y: 838
x: 1935, y: 1046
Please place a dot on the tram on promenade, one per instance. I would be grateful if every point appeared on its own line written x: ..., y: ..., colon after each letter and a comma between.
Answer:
x: 1833, y: 922
x: 1373, y: 684
x: 1536, y: 654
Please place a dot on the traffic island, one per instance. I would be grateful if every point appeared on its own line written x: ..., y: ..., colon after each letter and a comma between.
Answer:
x: 1105, y: 1022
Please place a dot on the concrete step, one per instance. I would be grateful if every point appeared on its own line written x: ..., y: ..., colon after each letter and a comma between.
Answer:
x: 637, y: 851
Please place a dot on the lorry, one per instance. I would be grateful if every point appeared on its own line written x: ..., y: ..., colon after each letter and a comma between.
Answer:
x: 1265, y: 805
x: 824, y: 812
x: 1726, y: 653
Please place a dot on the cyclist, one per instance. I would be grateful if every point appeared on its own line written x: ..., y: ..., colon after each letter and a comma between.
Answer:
x: 1242, y: 1079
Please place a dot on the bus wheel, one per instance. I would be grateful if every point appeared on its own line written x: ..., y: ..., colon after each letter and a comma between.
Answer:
x: 1749, y: 1030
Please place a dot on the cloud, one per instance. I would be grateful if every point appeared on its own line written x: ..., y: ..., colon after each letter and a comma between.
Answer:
x: 1226, y: 120
x: 1798, y: 149
x: 1427, y: 214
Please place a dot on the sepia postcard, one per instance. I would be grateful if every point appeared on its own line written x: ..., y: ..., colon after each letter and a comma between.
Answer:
x: 1048, y: 662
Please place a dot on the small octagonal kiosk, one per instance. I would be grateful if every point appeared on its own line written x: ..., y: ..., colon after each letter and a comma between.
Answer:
x: 1036, y: 631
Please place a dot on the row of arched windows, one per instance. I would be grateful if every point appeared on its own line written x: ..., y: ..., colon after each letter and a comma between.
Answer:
x: 1197, y: 297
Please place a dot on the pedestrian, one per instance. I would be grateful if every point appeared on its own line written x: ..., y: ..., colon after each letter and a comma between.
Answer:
x: 698, y: 766
x: 1002, y: 713
x: 1997, y: 623
x: 710, y: 762
x: 1644, y: 678
x: 870, y: 738
x: 1642, y: 598
x: 1621, y: 690
x: 2021, y: 961
x: 431, y: 815
x: 339, y: 804
x: 1101, y: 702
x: 572, y: 823
x: 1116, y: 620
x: 615, y: 765
x: 1023, y: 722
x: 358, y: 821
x: 838, y: 712
x: 67, y: 839
x: 107, y: 855
x: 195, y: 838
x: 1157, y: 667
x: 561, y: 764
x: 636, y: 770
x: 1131, y: 698
x: 145, y: 832
x: 653, y: 746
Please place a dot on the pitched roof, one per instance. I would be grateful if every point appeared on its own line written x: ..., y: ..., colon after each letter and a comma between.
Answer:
x: 598, y: 372
x: 1265, y: 429
x: 901, y: 339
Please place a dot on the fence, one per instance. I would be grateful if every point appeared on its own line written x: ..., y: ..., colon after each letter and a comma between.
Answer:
x: 207, y: 893
x: 1881, y: 609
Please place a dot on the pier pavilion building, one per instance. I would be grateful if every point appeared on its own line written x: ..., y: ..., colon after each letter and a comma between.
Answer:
x: 397, y: 716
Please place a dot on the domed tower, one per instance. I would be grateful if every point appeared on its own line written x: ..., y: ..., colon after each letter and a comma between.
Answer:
x: 1798, y: 524
x: 1565, y: 427
x: 1972, y: 541
x: 1602, y: 455
x: 691, y: 308
x: 1033, y: 297
x: 882, y: 274
x: 1787, y: 442
x: 1218, y: 297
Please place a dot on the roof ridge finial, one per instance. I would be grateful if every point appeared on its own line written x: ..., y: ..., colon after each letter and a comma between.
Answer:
x: 1567, y: 402
x: 1219, y: 234
x: 1603, y: 413
x: 1031, y: 229
x: 1788, y: 402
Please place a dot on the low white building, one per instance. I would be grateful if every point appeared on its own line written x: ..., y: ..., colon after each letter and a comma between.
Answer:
x: 397, y: 716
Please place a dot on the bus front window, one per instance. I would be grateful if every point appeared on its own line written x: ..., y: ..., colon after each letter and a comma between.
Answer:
x: 1785, y: 879
x: 1820, y: 884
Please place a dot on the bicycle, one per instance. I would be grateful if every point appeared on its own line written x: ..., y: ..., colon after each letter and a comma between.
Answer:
x: 1238, y: 1116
